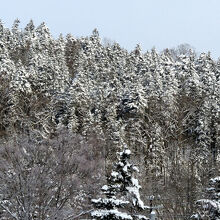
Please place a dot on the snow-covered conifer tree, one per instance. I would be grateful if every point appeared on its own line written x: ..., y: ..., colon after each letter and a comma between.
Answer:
x: 210, y: 208
x: 120, y: 183
x: 107, y: 208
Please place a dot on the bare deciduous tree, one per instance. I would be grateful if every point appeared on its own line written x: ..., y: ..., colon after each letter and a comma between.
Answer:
x: 41, y: 180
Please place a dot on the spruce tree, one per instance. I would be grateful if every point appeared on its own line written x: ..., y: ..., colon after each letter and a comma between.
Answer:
x: 121, y: 183
x: 210, y: 208
x: 107, y: 208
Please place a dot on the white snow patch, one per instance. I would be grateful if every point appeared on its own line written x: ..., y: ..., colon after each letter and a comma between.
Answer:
x: 104, y: 213
x: 114, y: 174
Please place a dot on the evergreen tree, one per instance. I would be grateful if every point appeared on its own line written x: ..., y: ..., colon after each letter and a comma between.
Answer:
x: 107, y: 208
x: 120, y: 183
x: 210, y: 208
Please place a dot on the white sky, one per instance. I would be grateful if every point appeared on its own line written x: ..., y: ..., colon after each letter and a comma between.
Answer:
x: 159, y: 23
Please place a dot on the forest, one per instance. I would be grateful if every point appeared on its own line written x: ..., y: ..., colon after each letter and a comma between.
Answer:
x: 90, y: 130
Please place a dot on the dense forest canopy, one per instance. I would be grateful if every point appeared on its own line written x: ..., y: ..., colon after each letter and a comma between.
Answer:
x: 164, y: 106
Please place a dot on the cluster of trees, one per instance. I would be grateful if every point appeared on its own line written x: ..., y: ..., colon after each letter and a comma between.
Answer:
x: 49, y: 179
x: 165, y: 106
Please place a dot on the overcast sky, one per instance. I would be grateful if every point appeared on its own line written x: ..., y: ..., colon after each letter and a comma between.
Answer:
x: 152, y: 23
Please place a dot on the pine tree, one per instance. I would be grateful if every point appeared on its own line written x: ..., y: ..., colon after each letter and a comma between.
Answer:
x: 210, y: 207
x: 120, y: 183
x: 107, y: 208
